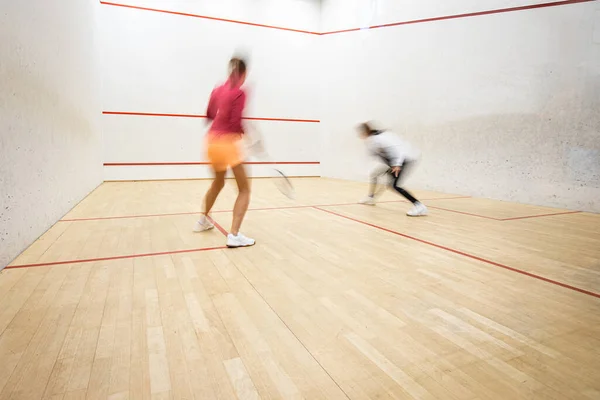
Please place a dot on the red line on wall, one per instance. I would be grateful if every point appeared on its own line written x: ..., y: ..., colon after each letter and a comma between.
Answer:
x: 145, y: 164
x: 87, y: 260
x: 465, y: 15
x: 106, y: 3
x: 283, y: 163
x: 388, y: 25
x: 282, y: 119
x: 343, y: 31
x: 519, y: 271
x: 145, y: 114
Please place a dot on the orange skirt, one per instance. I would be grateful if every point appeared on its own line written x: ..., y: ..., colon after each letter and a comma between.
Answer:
x: 224, y: 150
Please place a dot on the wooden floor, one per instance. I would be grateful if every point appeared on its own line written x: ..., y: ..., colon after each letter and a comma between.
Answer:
x: 481, y: 300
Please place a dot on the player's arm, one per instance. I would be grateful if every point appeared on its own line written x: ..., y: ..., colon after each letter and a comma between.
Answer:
x: 211, y: 110
x: 396, y: 158
x: 237, y: 109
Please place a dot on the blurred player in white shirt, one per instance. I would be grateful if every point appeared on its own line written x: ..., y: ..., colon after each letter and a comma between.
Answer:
x: 398, y: 156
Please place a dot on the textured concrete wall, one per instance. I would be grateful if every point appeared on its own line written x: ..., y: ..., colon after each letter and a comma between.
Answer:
x: 505, y: 106
x: 50, y: 147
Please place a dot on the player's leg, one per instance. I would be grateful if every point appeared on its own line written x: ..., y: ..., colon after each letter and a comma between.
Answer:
x: 216, y: 154
x: 373, y: 185
x: 419, y: 208
x: 213, y: 192
x: 235, y: 238
x: 204, y: 223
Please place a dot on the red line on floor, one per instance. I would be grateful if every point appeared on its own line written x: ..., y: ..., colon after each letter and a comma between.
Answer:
x: 485, y: 216
x: 448, y: 198
x: 218, y: 226
x: 87, y: 260
x: 146, y: 164
x: 314, y: 205
x: 519, y: 271
x: 266, y: 209
x: 449, y: 210
x: 465, y: 15
x: 504, y: 219
x: 540, y: 215
x: 209, y: 18
x: 435, y: 198
x: 128, y: 216
x: 145, y: 114
x: 465, y: 213
x: 250, y: 209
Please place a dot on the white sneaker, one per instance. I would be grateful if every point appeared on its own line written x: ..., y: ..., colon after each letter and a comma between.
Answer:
x: 203, y: 224
x: 239, y: 241
x: 369, y: 201
x: 417, y: 211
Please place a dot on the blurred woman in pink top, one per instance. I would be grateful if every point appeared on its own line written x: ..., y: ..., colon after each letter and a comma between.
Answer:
x: 223, y: 147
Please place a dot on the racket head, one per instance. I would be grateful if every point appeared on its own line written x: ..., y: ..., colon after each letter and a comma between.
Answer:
x: 256, y: 148
x: 255, y: 145
x: 283, y: 184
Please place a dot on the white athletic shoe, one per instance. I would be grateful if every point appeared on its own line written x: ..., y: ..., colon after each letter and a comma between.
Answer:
x: 369, y: 201
x: 203, y: 224
x: 239, y: 241
x: 417, y: 211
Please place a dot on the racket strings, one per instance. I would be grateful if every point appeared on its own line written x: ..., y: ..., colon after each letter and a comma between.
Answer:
x: 283, y: 184
x: 256, y: 148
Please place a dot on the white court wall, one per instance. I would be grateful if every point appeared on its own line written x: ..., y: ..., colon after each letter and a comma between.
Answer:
x: 50, y: 144
x: 505, y: 106
x: 161, y: 63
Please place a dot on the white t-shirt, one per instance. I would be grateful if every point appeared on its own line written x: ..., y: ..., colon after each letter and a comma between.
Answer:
x: 391, y: 148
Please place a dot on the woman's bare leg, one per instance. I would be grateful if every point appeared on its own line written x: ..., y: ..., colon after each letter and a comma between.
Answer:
x: 243, y: 198
x: 214, y: 190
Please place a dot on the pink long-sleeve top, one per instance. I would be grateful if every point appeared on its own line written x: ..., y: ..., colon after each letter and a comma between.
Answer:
x: 225, y: 109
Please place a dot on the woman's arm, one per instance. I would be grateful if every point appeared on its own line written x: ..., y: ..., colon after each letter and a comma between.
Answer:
x: 211, y: 110
x: 237, y: 110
